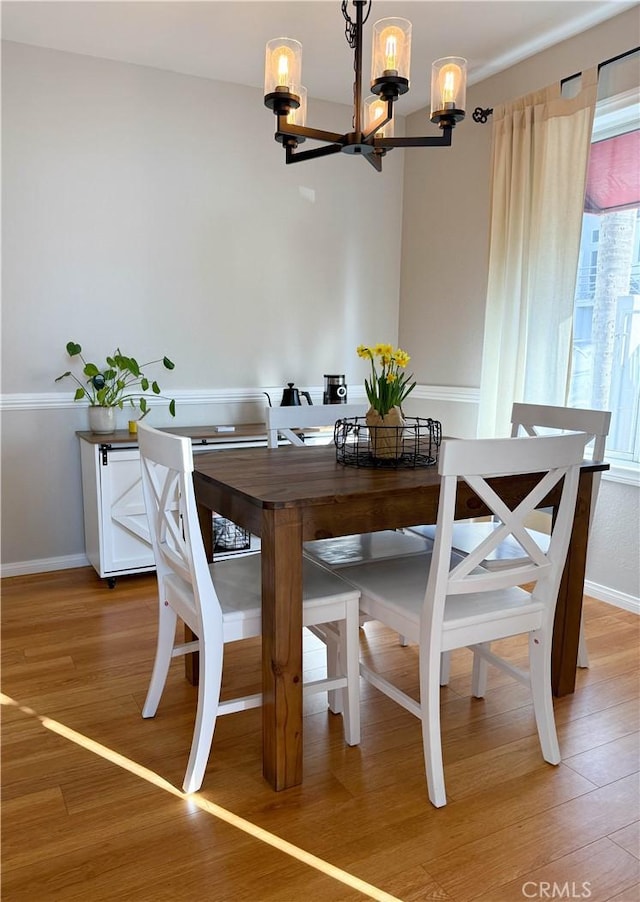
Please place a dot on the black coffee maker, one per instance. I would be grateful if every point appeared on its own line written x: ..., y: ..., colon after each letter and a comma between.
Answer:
x: 335, y: 390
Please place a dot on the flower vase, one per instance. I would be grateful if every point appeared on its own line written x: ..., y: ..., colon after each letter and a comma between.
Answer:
x: 102, y: 420
x: 385, y: 432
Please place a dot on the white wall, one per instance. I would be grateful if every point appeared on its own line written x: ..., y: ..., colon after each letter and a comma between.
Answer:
x: 154, y: 211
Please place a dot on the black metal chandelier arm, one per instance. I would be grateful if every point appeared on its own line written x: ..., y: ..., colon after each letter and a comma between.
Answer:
x: 375, y: 159
x: 303, y: 131
x: 443, y: 140
x: 293, y: 156
x: 370, y: 135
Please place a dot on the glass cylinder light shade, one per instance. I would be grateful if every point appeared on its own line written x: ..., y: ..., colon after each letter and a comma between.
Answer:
x: 391, y: 51
x: 375, y: 110
x: 299, y: 115
x: 448, y: 86
x: 282, y: 65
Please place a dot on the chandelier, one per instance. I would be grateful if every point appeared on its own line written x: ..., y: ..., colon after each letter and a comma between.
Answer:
x: 372, y: 134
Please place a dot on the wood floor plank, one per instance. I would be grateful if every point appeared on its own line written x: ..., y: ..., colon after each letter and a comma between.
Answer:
x: 598, y: 728
x: 630, y: 894
x: 628, y: 838
x: 608, y: 762
x: 594, y: 695
x: 611, y: 873
x: 91, y: 802
x: 539, y: 840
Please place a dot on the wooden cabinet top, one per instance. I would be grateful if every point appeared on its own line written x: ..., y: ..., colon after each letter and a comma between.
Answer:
x: 204, y: 435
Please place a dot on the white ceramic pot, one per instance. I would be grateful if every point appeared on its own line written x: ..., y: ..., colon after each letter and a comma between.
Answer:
x: 102, y: 419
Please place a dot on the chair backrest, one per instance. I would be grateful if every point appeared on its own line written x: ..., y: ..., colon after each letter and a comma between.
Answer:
x: 285, y: 420
x: 473, y: 462
x: 167, y: 466
x: 531, y: 418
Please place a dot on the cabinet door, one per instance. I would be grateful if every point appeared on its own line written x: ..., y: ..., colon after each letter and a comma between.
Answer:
x: 125, y: 532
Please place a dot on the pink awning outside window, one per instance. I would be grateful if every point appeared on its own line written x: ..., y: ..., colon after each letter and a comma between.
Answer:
x: 613, y: 179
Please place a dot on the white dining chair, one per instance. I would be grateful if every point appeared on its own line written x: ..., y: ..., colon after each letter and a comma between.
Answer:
x: 445, y: 601
x: 336, y: 553
x: 221, y: 602
x: 289, y: 423
x: 537, y: 419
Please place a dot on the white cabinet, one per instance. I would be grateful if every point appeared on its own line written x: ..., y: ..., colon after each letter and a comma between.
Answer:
x: 115, y: 522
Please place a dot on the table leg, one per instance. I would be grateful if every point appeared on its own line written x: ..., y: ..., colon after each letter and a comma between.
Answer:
x: 205, y: 519
x: 566, y: 629
x: 281, y: 543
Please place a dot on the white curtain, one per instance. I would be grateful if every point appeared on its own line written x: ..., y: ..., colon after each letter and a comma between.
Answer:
x: 539, y: 165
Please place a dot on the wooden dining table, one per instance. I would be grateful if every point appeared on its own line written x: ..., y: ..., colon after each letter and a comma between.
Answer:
x: 291, y: 495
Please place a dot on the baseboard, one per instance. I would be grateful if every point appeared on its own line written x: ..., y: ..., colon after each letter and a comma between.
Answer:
x: 44, y: 565
x: 611, y: 596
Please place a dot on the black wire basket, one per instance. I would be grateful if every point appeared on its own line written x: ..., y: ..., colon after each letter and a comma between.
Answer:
x: 229, y: 537
x: 415, y: 444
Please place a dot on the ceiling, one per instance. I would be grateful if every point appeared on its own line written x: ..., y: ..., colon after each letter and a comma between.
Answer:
x: 225, y: 40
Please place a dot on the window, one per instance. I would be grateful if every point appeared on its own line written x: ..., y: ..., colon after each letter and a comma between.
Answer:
x: 606, y: 336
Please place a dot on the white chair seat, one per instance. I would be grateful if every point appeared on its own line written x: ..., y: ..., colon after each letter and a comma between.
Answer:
x: 238, y: 586
x: 341, y: 553
x: 345, y: 551
x: 393, y: 591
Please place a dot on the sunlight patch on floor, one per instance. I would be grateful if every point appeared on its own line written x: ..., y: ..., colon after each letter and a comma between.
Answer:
x: 194, y: 800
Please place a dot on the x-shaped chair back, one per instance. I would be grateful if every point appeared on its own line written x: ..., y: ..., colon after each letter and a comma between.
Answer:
x: 554, y: 458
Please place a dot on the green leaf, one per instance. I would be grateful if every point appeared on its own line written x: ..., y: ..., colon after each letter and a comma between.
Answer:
x: 121, y: 381
x: 172, y: 408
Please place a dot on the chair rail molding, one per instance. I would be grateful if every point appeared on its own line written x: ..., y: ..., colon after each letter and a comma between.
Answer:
x: 198, y: 396
x: 56, y: 400
x: 459, y: 394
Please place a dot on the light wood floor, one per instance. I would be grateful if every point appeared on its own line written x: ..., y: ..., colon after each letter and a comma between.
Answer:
x: 91, y: 810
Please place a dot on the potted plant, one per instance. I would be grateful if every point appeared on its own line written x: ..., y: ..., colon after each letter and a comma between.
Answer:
x: 386, y: 391
x: 122, y: 381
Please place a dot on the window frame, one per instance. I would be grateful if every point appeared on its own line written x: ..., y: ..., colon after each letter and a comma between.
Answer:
x: 617, y: 115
